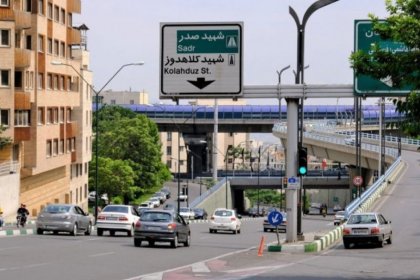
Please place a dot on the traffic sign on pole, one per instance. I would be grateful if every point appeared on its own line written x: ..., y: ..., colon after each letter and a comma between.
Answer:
x: 358, y: 181
x: 201, y: 60
x: 275, y: 218
x: 364, y: 39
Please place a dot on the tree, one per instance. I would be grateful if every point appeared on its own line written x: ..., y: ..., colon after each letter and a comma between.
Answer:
x: 402, y: 25
x: 4, y: 141
x: 134, y: 139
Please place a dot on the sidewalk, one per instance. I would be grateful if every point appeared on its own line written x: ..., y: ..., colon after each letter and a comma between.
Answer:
x: 10, y: 229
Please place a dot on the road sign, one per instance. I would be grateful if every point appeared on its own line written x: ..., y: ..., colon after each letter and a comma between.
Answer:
x: 358, y: 180
x: 275, y: 218
x: 201, y: 60
x: 293, y: 183
x: 364, y: 85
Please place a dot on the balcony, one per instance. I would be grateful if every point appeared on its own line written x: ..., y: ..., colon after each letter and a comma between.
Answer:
x: 7, y: 14
x: 73, y: 36
x: 22, y: 19
x: 73, y: 157
x: 22, y: 58
x: 22, y: 134
x: 22, y: 100
x: 68, y: 130
x: 74, y: 6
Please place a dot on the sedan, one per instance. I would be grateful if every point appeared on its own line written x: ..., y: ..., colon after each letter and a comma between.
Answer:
x: 225, y: 220
x: 200, y: 214
x: 367, y: 228
x: 115, y: 218
x: 64, y: 218
x: 186, y: 213
x: 162, y: 226
x: 339, y: 217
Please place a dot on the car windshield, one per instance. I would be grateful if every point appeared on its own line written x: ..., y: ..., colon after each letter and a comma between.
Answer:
x: 362, y: 219
x: 184, y: 209
x: 56, y: 209
x: 223, y: 213
x: 155, y: 217
x: 116, y: 208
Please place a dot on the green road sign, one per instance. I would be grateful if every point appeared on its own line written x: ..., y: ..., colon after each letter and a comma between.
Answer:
x: 367, y: 86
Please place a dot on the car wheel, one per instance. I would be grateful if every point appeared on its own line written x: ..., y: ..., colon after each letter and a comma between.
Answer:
x: 39, y: 231
x: 235, y: 231
x: 74, y: 231
x: 55, y: 232
x: 112, y: 232
x: 130, y: 233
x: 89, y: 229
x: 210, y: 230
x: 137, y: 242
x: 174, y: 243
x: 239, y: 230
x: 346, y: 244
x: 265, y: 230
x: 389, y: 240
x: 188, y: 240
x: 381, y: 243
x: 151, y: 243
x: 100, y: 232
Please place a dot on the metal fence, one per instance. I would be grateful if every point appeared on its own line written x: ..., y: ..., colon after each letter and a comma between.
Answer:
x: 9, y: 168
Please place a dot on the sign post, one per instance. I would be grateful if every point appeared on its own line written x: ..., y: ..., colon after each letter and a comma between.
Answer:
x: 201, y: 60
x: 358, y: 181
x: 364, y: 38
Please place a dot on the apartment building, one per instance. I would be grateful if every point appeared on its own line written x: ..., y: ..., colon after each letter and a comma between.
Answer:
x: 45, y: 103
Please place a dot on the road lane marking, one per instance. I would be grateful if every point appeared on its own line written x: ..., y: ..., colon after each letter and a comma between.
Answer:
x: 101, y: 254
x: 199, y: 267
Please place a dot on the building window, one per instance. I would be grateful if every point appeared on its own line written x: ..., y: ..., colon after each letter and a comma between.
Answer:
x: 56, y: 13
x: 41, y: 7
x: 41, y: 117
x: 29, y: 42
x: 113, y: 102
x: 63, y: 16
x: 49, y: 148
x: 69, y: 20
x: 55, y: 82
x: 55, y: 147
x: 61, y: 115
x: 4, y: 38
x: 40, y: 80
x: 68, y: 85
x: 5, y: 78
x: 50, y: 10
x: 50, y: 46
x: 18, y: 79
x: 169, y: 164
x: 168, y: 136
x: 73, y: 144
x: 169, y: 150
x: 28, y: 5
x: 4, y: 117
x: 56, y: 50
x: 55, y: 115
x: 61, y: 151
x: 68, y: 146
x: 49, y: 116
x: 68, y: 115
x: 4, y: 3
x: 49, y: 81
x: 22, y: 118
x: 62, y: 49
x: 131, y: 102
x: 40, y: 43
x: 61, y: 85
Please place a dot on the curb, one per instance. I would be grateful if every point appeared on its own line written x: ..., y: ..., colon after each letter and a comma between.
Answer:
x: 16, y: 232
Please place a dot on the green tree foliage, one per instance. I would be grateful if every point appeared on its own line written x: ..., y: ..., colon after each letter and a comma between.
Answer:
x: 4, y: 141
x: 402, y: 25
x: 134, y: 139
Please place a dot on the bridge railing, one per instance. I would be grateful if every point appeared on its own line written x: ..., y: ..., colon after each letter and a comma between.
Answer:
x: 388, y: 138
x: 378, y: 186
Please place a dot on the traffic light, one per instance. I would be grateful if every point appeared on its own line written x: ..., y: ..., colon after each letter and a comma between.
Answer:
x: 303, y: 161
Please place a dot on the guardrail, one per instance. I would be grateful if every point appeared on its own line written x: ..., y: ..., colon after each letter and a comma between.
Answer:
x: 358, y: 202
x: 388, y: 138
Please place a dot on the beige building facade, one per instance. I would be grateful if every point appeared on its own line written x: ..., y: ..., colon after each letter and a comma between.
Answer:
x: 45, y: 102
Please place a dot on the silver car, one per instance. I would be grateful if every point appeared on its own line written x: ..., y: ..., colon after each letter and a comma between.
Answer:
x: 367, y: 228
x: 64, y: 218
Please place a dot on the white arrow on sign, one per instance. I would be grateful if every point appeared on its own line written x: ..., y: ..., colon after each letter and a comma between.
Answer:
x: 275, y: 219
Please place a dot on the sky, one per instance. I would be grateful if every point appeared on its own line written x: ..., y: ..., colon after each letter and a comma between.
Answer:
x: 127, y: 31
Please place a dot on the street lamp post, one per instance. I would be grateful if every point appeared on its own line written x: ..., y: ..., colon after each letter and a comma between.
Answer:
x: 278, y: 87
x: 292, y: 109
x: 96, y: 117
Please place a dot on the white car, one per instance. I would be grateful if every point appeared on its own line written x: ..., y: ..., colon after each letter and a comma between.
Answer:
x: 350, y: 140
x: 339, y: 217
x: 182, y: 197
x: 155, y: 201
x: 116, y: 217
x: 187, y: 213
x: 92, y: 196
x: 225, y: 220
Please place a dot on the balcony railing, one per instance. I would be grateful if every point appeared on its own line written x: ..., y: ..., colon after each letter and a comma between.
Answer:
x: 9, y: 168
x: 74, y: 6
x: 22, y: 100
x: 22, y: 58
x: 73, y: 36
x: 22, y: 19
x: 22, y: 133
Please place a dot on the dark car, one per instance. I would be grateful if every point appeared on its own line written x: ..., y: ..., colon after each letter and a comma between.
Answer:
x: 167, y: 192
x: 162, y: 226
x: 200, y: 214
